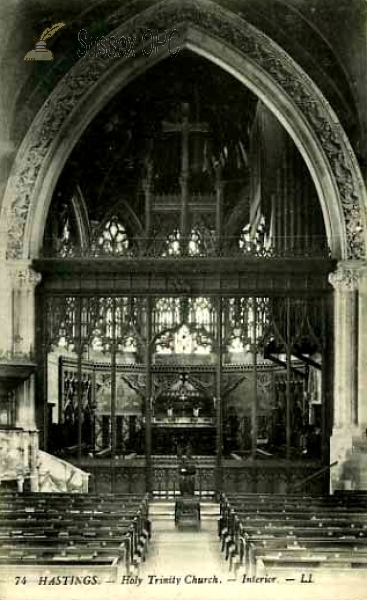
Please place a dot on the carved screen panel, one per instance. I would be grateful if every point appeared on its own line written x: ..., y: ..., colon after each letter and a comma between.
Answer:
x: 96, y: 412
x: 184, y: 325
x: 71, y: 419
x: 272, y: 386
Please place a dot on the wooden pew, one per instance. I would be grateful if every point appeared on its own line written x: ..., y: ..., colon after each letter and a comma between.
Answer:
x: 67, y: 528
x: 252, y: 544
x: 284, y: 565
x: 279, y: 531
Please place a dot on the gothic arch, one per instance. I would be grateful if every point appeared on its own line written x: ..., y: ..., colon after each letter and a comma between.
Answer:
x: 242, y: 50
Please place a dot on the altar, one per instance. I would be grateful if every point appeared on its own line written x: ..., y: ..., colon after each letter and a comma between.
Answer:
x: 170, y: 435
x: 183, y: 414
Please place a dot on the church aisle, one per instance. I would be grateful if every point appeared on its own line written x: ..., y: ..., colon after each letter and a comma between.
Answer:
x: 186, y: 553
x: 186, y: 563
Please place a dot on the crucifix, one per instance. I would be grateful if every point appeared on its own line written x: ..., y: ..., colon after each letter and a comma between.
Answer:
x: 184, y: 127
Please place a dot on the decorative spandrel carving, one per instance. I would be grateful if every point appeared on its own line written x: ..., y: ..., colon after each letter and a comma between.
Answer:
x: 222, y: 25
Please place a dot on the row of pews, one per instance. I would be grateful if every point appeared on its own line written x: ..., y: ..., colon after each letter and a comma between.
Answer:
x: 103, y: 535
x: 294, y: 537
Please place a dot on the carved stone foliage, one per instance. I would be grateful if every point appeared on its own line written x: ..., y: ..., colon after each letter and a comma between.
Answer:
x: 345, y: 279
x: 67, y: 98
x: 23, y: 276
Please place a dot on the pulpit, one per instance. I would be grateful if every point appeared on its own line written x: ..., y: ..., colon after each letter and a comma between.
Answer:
x: 18, y: 435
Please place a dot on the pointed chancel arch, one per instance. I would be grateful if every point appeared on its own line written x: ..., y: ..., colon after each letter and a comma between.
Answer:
x: 249, y: 55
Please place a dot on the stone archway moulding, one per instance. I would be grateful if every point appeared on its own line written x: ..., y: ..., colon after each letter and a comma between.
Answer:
x: 242, y: 50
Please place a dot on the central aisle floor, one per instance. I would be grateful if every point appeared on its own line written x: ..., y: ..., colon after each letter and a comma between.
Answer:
x: 186, y: 563
x: 186, y: 552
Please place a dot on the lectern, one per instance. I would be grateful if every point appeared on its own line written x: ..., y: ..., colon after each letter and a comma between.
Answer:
x: 187, y: 509
x: 186, y: 475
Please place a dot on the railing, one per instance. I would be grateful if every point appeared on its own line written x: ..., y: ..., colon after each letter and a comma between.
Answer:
x: 166, y: 481
x: 271, y: 476
x: 258, y: 476
x: 318, y: 473
x: 208, y: 245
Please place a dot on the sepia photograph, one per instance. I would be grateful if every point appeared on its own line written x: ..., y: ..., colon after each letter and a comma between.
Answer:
x: 183, y: 299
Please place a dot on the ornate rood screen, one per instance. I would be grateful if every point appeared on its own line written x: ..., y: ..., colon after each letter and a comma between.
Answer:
x: 185, y: 366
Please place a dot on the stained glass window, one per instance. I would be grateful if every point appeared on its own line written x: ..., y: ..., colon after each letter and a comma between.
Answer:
x: 246, y: 320
x: 254, y: 239
x: 173, y: 244
x: 199, y: 242
x: 185, y: 325
x: 112, y: 239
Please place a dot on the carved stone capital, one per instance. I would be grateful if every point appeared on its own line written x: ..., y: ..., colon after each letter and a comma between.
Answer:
x: 344, y: 279
x: 23, y: 276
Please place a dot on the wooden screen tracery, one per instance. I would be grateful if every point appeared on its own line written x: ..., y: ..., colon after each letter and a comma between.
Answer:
x: 266, y: 375
x: 96, y: 399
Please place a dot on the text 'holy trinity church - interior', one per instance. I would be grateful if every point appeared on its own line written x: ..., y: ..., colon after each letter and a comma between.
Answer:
x: 183, y: 270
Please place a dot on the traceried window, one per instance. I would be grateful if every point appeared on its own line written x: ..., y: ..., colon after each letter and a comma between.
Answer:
x: 254, y: 239
x: 112, y: 239
x: 103, y: 322
x: 64, y: 242
x: 173, y: 244
x: 184, y: 325
x: 195, y: 244
x: 237, y: 325
x: 258, y: 315
x: 63, y: 328
x: 61, y: 236
x: 246, y: 320
x: 198, y: 243
x: 167, y: 313
x: 202, y: 317
x: 167, y: 317
x: 115, y: 324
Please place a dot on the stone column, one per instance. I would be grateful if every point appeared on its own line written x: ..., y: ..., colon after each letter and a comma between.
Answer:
x: 6, y: 312
x: 24, y: 280
x: 26, y: 412
x: 362, y: 350
x: 345, y: 422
